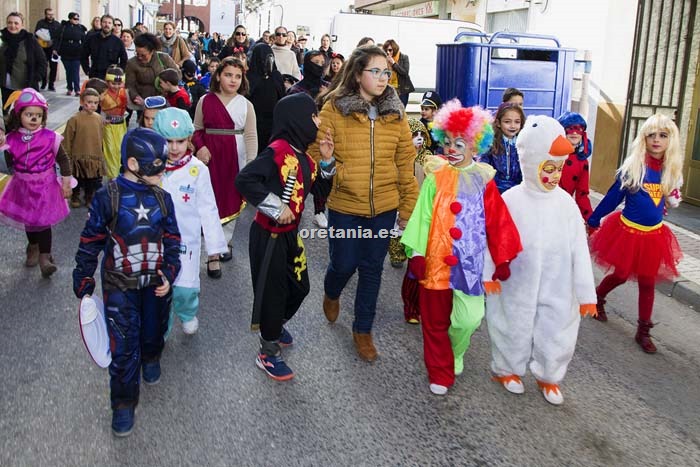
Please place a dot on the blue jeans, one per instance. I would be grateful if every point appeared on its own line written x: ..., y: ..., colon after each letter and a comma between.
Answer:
x: 72, y: 67
x: 366, y: 255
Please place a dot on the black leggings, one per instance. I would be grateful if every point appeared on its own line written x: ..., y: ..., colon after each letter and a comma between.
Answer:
x: 42, y: 238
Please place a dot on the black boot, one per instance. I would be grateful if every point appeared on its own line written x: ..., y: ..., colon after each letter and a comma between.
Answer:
x: 600, y: 307
x: 643, y: 338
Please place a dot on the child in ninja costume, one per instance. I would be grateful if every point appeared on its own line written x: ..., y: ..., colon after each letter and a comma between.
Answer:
x: 536, y: 316
x: 187, y: 180
x: 458, y: 216
x: 276, y: 183
x: 132, y: 222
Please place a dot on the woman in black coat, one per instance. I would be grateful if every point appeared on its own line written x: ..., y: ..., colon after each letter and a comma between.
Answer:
x: 69, y: 46
x: 400, y: 66
x: 266, y: 88
x: 22, y: 60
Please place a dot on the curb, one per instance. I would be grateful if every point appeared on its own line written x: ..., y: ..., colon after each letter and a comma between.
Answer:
x: 684, y: 291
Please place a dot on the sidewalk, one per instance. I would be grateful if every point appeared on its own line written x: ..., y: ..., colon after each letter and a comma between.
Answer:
x: 61, y: 107
x: 683, y: 221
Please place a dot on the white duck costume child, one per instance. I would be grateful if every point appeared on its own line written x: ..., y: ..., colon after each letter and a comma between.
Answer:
x: 535, y: 319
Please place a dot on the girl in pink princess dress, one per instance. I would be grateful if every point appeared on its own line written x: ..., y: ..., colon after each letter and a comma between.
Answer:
x: 34, y: 199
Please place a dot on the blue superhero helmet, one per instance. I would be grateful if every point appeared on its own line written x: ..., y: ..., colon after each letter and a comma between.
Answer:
x: 148, y: 148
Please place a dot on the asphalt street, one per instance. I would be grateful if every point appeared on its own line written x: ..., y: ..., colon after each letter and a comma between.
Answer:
x: 214, y: 407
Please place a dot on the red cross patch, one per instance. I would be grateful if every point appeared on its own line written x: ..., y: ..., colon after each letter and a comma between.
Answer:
x: 185, y: 197
x: 174, y: 124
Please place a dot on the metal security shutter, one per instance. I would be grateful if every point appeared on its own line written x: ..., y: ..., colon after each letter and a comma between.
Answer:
x: 659, y: 63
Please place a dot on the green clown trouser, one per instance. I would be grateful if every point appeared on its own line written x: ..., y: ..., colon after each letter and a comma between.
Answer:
x: 185, y: 305
x: 467, y: 313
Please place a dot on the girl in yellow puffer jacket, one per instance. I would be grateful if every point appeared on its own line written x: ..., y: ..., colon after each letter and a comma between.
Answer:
x: 374, y: 156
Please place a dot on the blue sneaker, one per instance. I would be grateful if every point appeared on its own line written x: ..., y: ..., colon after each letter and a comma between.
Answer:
x: 285, y: 339
x: 274, y: 367
x: 151, y: 372
x: 123, y: 422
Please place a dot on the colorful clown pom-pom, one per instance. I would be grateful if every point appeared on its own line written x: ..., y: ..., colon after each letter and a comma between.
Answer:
x: 473, y: 124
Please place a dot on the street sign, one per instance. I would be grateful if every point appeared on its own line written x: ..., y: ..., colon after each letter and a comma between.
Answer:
x: 151, y: 7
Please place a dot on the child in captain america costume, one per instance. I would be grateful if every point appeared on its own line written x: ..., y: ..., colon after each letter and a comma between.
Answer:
x: 276, y: 183
x: 458, y: 216
x: 132, y: 222
x: 635, y: 243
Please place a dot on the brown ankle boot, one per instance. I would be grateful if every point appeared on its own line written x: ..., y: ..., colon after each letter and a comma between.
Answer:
x: 46, y: 264
x: 75, y: 199
x: 365, y: 346
x: 600, y: 307
x: 331, y: 308
x: 32, y: 255
x: 89, y: 194
x: 643, y: 338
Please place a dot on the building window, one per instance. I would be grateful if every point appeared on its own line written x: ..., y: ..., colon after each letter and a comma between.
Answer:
x: 512, y: 21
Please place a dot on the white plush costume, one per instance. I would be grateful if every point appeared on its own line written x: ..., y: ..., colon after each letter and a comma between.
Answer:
x: 535, y: 318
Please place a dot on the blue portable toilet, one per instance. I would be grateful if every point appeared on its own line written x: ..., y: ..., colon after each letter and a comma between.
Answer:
x: 477, y: 73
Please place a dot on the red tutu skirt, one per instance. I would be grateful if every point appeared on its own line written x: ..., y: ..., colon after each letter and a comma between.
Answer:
x: 633, y: 253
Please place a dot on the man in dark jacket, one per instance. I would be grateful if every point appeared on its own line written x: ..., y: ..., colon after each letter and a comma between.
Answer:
x: 53, y: 27
x: 102, y: 50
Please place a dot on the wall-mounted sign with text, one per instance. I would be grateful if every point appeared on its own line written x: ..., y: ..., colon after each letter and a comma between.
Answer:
x: 420, y: 10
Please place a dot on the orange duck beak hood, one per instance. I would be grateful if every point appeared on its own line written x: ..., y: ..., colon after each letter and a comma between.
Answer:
x: 541, y: 139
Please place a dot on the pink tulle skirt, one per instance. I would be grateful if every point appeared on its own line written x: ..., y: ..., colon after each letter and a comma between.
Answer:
x: 633, y: 253
x: 33, y: 201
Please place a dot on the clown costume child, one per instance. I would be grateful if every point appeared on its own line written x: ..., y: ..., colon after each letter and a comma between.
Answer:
x: 458, y: 216
x: 535, y: 318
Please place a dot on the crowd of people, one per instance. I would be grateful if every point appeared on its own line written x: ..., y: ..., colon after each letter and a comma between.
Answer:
x: 472, y: 198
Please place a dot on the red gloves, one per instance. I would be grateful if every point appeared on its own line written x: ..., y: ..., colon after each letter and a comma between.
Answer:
x: 502, y: 272
x: 416, y: 265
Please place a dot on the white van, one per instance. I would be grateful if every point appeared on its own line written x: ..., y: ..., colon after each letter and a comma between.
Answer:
x: 416, y: 37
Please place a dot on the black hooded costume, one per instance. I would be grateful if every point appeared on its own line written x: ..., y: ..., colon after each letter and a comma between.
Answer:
x: 262, y: 182
x: 313, y: 78
x: 266, y: 88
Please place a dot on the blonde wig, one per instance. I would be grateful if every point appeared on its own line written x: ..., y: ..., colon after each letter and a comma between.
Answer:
x: 633, y: 169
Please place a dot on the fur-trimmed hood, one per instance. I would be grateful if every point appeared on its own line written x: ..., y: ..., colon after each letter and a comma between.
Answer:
x: 387, y: 104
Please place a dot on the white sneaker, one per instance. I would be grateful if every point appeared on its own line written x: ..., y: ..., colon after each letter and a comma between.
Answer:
x: 438, y: 389
x: 551, y: 393
x: 512, y: 383
x: 320, y: 220
x: 190, y: 327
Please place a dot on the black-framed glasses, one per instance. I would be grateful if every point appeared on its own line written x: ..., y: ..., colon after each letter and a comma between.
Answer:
x: 76, y: 17
x: 279, y: 34
x: 377, y: 73
x: 239, y: 33
x: 118, y: 24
